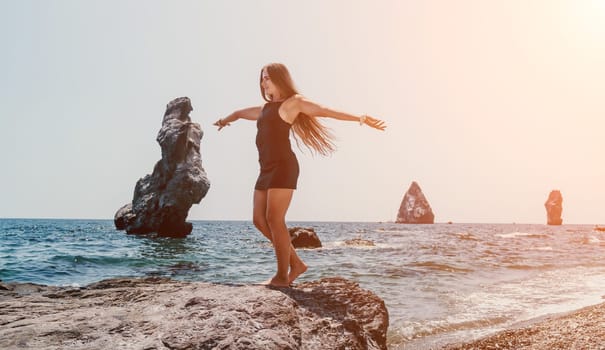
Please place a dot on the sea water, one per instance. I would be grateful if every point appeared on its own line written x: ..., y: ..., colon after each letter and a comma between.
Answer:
x: 441, y: 283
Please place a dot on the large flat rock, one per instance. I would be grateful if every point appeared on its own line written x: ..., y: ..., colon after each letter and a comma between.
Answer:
x: 159, y: 313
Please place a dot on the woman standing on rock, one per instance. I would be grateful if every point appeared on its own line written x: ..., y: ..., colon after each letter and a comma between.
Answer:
x: 285, y: 110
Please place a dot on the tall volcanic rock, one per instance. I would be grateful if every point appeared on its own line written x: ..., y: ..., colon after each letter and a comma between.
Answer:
x: 554, y: 208
x: 415, y: 209
x: 162, y: 200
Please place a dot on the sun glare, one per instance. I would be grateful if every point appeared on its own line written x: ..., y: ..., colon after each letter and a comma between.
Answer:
x: 588, y: 18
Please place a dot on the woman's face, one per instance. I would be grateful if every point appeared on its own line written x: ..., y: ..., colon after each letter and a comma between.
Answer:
x: 270, y: 89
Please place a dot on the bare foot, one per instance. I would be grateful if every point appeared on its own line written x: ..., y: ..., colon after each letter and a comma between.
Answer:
x: 296, y: 271
x: 266, y: 283
x: 278, y: 282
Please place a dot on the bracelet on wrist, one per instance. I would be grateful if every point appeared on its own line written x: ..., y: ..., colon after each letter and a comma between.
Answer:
x: 362, y: 119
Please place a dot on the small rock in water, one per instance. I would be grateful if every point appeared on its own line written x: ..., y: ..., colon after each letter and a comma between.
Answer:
x: 360, y: 242
x: 304, y: 237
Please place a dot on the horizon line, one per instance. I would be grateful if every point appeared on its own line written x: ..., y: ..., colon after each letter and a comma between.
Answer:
x: 321, y: 221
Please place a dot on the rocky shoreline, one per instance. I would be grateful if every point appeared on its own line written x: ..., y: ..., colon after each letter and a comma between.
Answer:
x: 160, y: 313
x: 582, y: 329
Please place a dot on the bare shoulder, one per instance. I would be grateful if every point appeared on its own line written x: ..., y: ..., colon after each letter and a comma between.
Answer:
x: 294, y: 101
x: 291, y: 107
x: 301, y: 104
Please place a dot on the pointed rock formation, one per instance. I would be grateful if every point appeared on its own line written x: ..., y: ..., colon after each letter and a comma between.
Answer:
x: 554, y: 208
x: 162, y: 200
x: 415, y: 209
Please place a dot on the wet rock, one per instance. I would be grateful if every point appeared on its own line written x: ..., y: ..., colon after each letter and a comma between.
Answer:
x: 159, y: 313
x: 415, y: 208
x: 554, y: 208
x: 304, y: 237
x: 162, y: 200
x: 359, y: 242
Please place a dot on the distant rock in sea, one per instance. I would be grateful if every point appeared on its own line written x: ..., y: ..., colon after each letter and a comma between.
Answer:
x: 304, y: 237
x: 162, y: 200
x: 554, y: 208
x: 160, y: 313
x: 415, y: 208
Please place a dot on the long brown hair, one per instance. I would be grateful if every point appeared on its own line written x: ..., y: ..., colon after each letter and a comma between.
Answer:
x: 309, y: 130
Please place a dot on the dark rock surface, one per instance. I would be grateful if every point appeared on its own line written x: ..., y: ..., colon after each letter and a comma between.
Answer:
x: 304, y: 237
x: 554, y: 208
x: 159, y: 313
x: 415, y: 208
x: 162, y: 200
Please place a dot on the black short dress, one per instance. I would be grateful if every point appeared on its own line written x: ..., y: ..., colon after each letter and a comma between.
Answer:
x: 278, y: 164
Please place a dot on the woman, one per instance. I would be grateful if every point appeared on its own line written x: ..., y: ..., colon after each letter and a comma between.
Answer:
x: 284, y: 111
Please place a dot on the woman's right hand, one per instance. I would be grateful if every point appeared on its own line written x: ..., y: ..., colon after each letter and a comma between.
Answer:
x: 251, y: 113
x: 221, y: 124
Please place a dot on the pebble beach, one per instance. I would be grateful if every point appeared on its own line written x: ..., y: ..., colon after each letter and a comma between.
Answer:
x: 582, y: 329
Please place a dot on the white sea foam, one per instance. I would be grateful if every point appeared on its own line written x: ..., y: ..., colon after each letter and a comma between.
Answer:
x: 547, y: 248
x: 593, y: 239
x: 521, y: 234
x: 389, y: 231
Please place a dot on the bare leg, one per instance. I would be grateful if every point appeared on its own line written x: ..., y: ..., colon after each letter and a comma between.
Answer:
x: 297, y: 266
x: 278, y: 201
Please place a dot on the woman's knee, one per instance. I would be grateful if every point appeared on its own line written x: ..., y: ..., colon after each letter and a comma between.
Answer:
x: 259, y: 221
x: 275, y: 221
x: 259, y: 210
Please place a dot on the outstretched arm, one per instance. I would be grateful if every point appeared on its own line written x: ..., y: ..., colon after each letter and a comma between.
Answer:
x: 251, y: 113
x: 302, y: 105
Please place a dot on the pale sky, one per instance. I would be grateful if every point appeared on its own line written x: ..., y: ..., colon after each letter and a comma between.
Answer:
x: 490, y: 105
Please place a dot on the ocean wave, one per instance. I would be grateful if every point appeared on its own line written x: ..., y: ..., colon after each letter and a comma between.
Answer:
x: 587, y: 240
x: 408, y: 331
x: 89, y: 260
x: 401, y: 272
x: 393, y: 231
x: 439, y: 266
x: 386, y: 247
x: 522, y: 234
x: 356, y: 243
x: 547, y: 248
x: 530, y: 267
x: 466, y: 236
